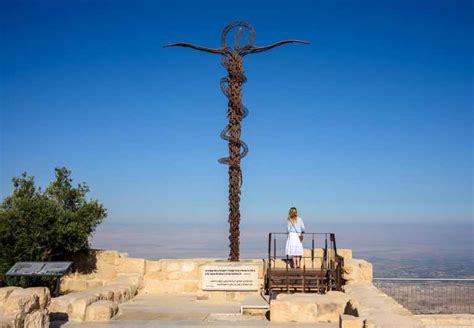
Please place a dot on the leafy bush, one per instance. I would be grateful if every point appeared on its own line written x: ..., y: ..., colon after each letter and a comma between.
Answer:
x: 50, y: 225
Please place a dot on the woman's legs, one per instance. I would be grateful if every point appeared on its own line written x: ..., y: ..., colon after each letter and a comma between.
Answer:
x: 297, y: 261
x: 294, y: 259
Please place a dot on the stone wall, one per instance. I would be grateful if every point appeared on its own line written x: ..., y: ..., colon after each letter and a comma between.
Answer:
x: 185, y: 277
x: 182, y: 276
x: 100, y: 268
x: 21, y: 307
x: 167, y: 276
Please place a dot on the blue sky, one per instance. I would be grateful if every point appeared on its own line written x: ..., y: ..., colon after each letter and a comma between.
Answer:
x: 371, y: 122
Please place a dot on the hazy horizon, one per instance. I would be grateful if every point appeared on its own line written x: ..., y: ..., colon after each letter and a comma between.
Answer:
x: 400, y: 250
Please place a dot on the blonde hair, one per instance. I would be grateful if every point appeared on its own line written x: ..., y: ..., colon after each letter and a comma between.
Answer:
x: 292, y: 210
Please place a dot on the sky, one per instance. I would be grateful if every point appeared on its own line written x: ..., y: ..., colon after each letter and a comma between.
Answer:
x: 370, y: 122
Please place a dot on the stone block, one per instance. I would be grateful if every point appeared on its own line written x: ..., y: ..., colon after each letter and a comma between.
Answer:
x: 20, y: 302
x: 37, y: 319
x: 76, y: 285
x: 59, y: 306
x: 105, y: 271
x: 170, y: 266
x: 43, y: 294
x: 308, y: 307
x: 174, y: 275
x: 188, y: 266
x: 349, y: 321
x: 152, y: 266
x: 285, y: 312
x: 77, y: 307
x: 356, y: 270
x: 346, y: 253
x: 131, y: 265
x: 108, y: 256
x: 5, y: 292
x: 101, y: 311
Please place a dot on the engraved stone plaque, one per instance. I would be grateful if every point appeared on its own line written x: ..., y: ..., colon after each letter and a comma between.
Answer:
x: 230, y: 277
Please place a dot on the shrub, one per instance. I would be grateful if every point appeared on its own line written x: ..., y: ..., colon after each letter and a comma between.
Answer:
x: 50, y: 225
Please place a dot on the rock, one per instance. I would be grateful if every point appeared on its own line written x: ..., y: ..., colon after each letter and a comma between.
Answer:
x: 101, y: 311
x: 7, y: 322
x: 59, y: 307
x: 37, y: 319
x: 357, y: 271
x: 284, y: 312
x: 77, y: 307
x: 308, y: 307
x: 349, y: 321
x: 21, y: 301
x: 43, y: 294
x: 5, y: 292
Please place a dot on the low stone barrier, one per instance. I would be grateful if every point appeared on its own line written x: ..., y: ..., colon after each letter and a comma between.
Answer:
x: 308, y: 307
x: 81, y: 306
x: 184, y: 276
x: 21, y: 307
x: 99, y: 268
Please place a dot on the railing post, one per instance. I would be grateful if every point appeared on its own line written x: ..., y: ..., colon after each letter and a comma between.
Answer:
x: 304, y: 276
x: 287, y: 282
x: 274, y: 249
x: 269, y: 247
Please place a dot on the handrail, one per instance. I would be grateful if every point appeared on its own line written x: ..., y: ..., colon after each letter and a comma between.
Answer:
x: 306, y: 233
x: 330, y: 262
x: 425, y: 279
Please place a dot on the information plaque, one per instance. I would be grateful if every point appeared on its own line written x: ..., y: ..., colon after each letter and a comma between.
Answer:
x: 230, y: 277
x: 55, y: 269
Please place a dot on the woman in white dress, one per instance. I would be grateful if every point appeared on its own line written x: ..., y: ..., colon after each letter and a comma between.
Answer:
x: 294, y: 243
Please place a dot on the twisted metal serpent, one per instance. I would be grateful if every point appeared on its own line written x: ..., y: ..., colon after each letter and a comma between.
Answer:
x: 231, y: 86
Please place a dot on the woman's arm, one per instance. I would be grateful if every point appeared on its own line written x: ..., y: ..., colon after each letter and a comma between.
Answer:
x: 302, y: 225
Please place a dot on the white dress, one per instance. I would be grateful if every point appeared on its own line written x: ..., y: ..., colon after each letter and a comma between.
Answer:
x: 294, y: 247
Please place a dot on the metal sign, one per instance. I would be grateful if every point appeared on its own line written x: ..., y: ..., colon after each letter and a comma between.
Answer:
x: 54, y: 269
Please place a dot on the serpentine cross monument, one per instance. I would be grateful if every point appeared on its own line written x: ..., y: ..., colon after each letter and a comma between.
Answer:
x: 231, y: 86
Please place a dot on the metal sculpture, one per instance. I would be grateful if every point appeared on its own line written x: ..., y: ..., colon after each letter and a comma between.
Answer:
x: 231, y: 86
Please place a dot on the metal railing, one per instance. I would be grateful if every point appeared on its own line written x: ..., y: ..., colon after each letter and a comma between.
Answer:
x: 327, y: 262
x: 430, y: 295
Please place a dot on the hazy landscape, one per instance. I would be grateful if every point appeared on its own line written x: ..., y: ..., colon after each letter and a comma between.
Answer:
x: 432, y: 250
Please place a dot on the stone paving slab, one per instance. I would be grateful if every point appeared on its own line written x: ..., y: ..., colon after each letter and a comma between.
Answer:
x: 182, y: 311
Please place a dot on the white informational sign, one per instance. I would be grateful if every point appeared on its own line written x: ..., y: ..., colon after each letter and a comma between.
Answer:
x: 230, y: 277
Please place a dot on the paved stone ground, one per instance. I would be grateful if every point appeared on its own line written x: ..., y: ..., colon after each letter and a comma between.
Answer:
x: 183, y: 311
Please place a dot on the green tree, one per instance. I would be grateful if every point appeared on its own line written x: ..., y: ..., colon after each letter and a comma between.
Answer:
x: 49, y: 225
